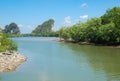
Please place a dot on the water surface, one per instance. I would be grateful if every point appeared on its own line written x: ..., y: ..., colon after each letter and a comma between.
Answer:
x: 54, y: 61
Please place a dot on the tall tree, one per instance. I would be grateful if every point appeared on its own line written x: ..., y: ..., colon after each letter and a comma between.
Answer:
x: 12, y: 28
x: 112, y: 15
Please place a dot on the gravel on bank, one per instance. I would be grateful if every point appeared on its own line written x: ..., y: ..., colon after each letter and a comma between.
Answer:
x: 9, y: 61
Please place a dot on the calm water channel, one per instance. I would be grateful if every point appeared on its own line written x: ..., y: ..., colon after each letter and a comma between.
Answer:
x: 54, y: 61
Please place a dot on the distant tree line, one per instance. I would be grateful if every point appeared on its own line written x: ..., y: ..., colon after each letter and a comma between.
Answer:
x: 104, y: 30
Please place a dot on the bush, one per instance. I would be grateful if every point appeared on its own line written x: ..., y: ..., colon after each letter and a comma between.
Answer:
x: 7, y: 44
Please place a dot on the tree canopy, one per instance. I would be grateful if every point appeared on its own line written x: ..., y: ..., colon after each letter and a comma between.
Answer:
x: 103, y: 30
x: 12, y: 28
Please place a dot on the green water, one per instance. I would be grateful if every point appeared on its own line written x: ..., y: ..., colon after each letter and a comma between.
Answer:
x: 54, y: 61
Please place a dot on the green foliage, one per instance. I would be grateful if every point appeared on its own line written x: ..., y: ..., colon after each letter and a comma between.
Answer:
x: 12, y: 29
x: 103, y: 30
x: 45, y: 29
x: 112, y: 15
x: 12, y: 45
x: 6, y: 43
x: 92, y: 29
x: 64, y: 33
x: 109, y: 34
x: 74, y: 32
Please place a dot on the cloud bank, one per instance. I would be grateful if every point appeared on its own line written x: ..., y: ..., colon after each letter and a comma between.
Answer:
x: 84, y: 16
x: 84, y: 5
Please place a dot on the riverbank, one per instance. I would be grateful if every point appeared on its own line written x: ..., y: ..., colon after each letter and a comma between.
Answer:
x: 9, y: 61
x: 87, y: 43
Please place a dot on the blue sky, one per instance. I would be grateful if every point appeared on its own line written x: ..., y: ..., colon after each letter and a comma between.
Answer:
x: 30, y: 13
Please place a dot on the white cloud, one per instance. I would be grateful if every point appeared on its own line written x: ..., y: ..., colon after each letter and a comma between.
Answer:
x: 26, y: 28
x: 84, y: 5
x: 20, y: 25
x: 30, y: 27
x: 67, y: 20
x: 84, y: 16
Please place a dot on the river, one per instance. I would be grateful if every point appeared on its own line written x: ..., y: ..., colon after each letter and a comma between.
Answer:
x: 56, y: 61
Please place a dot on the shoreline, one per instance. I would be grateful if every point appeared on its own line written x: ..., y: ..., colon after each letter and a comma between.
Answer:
x: 10, y: 61
x: 86, y: 43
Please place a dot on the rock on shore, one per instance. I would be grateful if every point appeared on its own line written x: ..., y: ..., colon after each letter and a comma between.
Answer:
x: 9, y: 61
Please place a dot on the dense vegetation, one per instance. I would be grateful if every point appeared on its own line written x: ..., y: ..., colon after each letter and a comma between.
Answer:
x: 45, y: 29
x: 104, y: 30
x: 12, y: 29
x: 6, y: 44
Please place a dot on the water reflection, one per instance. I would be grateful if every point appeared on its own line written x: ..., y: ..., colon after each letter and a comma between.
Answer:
x: 104, y: 60
x: 55, y: 61
x: 0, y: 77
